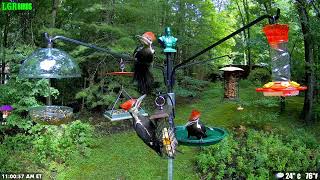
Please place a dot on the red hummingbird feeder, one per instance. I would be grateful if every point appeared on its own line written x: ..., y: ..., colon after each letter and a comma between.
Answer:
x: 281, y: 85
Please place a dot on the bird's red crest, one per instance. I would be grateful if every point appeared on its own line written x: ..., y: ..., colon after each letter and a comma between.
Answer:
x: 194, y: 115
x: 128, y: 104
x: 150, y: 35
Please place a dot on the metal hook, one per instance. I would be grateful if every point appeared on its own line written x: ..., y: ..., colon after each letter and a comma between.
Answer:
x: 122, y: 65
x: 274, y: 19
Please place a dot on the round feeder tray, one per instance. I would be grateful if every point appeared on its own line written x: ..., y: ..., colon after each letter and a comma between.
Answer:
x: 51, y: 115
x: 215, y: 135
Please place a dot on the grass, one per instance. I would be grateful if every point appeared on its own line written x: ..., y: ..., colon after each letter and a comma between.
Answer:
x: 124, y: 156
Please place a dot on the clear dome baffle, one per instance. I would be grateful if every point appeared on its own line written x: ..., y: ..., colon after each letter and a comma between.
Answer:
x: 49, y: 63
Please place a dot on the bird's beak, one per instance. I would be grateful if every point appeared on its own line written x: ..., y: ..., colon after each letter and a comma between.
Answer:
x: 144, y: 40
x: 139, y: 100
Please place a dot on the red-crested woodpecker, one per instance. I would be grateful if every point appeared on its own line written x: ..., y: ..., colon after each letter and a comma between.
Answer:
x: 194, y: 127
x: 143, y: 126
x: 143, y: 55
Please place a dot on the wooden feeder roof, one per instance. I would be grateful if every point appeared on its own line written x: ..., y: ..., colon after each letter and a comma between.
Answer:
x: 231, y: 68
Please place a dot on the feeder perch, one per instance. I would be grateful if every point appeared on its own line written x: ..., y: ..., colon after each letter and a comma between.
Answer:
x: 231, y: 86
x: 122, y: 72
x: 214, y: 135
x: 281, y: 85
x: 51, y: 115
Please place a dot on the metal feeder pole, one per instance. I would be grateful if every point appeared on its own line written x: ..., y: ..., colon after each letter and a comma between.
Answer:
x: 168, y: 42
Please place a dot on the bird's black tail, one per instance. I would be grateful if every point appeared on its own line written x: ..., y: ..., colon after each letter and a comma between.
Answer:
x: 143, y: 76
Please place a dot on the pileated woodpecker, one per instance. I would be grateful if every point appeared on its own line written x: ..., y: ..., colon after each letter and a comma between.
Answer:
x: 144, y: 54
x: 143, y: 126
x: 194, y: 127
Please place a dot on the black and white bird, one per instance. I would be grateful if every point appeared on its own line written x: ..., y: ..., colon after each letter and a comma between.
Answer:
x: 143, y: 126
x: 144, y: 55
x: 195, y: 127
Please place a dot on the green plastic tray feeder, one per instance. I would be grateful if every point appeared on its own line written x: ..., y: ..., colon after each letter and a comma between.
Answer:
x: 214, y: 134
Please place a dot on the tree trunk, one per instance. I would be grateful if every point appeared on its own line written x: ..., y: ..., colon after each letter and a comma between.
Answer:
x: 54, y: 12
x: 309, y: 58
x: 4, y: 46
x: 246, y: 10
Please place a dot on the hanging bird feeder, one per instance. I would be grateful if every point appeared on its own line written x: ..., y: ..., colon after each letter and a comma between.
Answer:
x: 282, y: 86
x: 231, y: 86
x: 114, y: 114
x: 50, y: 63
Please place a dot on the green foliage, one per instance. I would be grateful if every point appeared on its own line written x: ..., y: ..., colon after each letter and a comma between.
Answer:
x: 260, y: 75
x: 190, y: 87
x: 7, y: 163
x: 22, y: 93
x: 59, y: 143
x: 259, y: 119
x: 257, y: 154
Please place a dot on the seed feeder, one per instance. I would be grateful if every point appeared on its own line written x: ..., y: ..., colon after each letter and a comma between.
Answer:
x: 231, y: 86
x: 51, y: 115
x: 120, y: 114
x: 50, y: 63
x: 281, y: 85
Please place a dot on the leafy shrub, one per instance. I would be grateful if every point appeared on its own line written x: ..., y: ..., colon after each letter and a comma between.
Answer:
x: 7, y: 163
x: 257, y: 154
x: 190, y: 87
x: 260, y: 75
x: 22, y: 93
x: 59, y: 143
x: 259, y: 119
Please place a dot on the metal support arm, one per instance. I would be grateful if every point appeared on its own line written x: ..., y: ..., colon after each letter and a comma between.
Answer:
x: 106, y: 50
x: 272, y: 19
x: 203, y: 62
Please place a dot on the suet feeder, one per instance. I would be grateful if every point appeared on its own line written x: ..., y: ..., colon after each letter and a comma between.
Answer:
x: 281, y: 85
x: 164, y: 132
x: 231, y: 86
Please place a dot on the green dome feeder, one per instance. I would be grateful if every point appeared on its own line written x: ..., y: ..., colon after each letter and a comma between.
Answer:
x: 214, y: 134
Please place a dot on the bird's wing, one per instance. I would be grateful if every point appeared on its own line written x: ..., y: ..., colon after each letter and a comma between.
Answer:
x: 143, y: 133
x: 137, y: 50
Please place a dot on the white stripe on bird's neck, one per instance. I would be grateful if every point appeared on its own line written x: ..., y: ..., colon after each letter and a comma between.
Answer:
x: 189, y: 123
